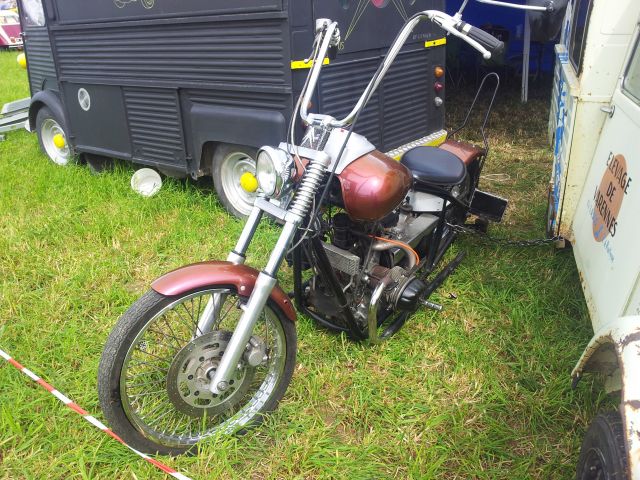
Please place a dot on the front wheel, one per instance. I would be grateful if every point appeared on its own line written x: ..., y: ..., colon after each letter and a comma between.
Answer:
x: 603, y: 455
x: 53, y: 137
x: 156, y: 367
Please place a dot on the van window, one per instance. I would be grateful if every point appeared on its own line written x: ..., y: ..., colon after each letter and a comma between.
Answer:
x: 579, y: 24
x: 32, y: 12
x: 631, y: 82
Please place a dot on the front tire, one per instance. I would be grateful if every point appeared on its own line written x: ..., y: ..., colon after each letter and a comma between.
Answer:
x: 52, y: 131
x: 603, y: 454
x: 228, y: 164
x: 154, y: 371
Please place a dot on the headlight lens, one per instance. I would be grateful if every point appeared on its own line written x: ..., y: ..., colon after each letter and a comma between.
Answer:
x: 274, y: 171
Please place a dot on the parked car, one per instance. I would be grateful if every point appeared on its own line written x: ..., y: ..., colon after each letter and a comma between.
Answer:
x: 10, y: 30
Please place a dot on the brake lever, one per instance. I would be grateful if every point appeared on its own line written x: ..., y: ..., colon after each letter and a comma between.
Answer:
x: 451, y: 28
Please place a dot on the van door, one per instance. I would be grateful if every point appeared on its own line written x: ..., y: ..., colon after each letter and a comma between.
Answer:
x: 42, y: 70
x: 607, y: 223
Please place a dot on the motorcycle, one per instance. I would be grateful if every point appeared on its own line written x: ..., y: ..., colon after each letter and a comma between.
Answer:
x: 212, y: 346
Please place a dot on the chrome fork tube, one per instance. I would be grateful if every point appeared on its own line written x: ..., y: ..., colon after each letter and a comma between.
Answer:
x: 252, y: 310
x: 237, y: 256
x: 301, y: 204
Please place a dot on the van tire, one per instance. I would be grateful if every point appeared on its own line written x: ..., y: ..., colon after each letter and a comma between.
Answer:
x: 228, y: 163
x: 48, y: 126
x: 603, y: 453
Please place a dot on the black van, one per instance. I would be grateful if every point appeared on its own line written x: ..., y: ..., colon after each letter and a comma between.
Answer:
x: 193, y: 87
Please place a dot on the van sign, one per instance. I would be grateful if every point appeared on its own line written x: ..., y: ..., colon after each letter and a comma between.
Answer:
x: 608, y: 197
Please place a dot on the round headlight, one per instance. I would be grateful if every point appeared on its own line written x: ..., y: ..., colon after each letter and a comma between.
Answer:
x: 274, y: 171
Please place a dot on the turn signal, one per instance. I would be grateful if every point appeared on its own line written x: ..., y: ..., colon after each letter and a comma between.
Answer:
x: 249, y: 182
x: 438, y: 72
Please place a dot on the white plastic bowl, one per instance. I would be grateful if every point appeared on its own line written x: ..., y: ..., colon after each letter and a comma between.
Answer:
x: 146, y: 182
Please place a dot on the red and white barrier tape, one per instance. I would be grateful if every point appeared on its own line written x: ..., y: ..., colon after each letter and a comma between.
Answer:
x: 89, y: 418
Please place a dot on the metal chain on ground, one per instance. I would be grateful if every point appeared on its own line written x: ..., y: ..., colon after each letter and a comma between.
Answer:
x: 505, y: 242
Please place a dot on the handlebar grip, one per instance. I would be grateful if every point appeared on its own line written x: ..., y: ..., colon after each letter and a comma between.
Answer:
x: 485, y: 39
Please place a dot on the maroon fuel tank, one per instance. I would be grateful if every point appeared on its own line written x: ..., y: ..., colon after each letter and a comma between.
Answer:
x: 373, y: 185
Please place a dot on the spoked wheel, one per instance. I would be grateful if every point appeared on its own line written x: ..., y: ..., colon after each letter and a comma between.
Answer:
x: 229, y: 164
x: 156, y: 367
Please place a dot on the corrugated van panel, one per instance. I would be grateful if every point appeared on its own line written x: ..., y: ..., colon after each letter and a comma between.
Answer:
x: 401, y: 116
x: 41, y: 64
x: 155, y: 125
x: 240, y: 53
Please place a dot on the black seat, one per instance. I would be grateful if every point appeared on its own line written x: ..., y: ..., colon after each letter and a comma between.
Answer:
x: 434, y: 165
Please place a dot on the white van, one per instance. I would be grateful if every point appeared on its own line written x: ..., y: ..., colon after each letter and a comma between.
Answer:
x: 597, y: 176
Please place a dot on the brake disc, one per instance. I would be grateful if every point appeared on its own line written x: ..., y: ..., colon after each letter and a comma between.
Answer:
x: 191, y: 372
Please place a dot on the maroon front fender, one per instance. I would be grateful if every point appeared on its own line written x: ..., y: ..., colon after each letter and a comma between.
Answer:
x: 217, y: 273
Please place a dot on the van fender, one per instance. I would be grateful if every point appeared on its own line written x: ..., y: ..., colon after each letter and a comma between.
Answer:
x: 46, y: 98
x: 251, y: 127
x: 615, y: 351
x: 216, y: 274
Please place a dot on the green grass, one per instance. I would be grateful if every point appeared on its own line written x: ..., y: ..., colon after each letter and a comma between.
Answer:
x: 481, y: 390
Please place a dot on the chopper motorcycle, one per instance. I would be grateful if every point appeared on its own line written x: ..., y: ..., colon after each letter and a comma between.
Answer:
x: 212, y: 346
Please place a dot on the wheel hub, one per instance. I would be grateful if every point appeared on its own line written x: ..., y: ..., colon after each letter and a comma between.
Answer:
x: 594, y: 464
x: 191, y: 372
x: 234, y: 167
x: 54, y: 142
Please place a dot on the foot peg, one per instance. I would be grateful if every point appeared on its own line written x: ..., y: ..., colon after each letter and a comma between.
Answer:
x: 431, y: 305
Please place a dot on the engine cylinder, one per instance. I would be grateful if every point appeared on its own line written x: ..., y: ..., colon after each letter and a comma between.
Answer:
x: 342, y: 237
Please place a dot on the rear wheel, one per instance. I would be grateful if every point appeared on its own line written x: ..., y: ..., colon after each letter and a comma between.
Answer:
x: 603, y: 454
x: 156, y: 367
x: 229, y: 163
x: 53, y: 137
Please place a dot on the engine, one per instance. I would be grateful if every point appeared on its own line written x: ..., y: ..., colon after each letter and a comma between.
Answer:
x: 366, y: 257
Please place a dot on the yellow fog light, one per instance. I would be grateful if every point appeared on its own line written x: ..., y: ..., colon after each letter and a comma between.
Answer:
x: 249, y: 182
x: 59, y: 141
x: 22, y: 60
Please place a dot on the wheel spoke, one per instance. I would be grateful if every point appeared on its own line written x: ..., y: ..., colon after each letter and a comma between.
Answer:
x: 152, y: 355
x: 144, y: 394
x: 190, y: 325
x: 166, y: 372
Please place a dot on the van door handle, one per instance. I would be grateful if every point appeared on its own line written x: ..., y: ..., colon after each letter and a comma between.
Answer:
x: 610, y: 110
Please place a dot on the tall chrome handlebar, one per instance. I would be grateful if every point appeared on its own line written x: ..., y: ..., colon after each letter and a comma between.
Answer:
x: 327, y: 37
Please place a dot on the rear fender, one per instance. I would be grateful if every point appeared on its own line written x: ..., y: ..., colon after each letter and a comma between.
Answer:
x: 614, y: 351
x: 218, y: 273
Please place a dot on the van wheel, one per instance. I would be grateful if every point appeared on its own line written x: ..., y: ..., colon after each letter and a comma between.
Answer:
x: 229, y: 163
x: 53, y: 137
x: 603, y: 454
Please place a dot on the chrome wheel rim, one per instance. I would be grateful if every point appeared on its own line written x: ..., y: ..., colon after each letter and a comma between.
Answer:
x: 233, y: 167
x: 48, y: 130
x: 149, y: 378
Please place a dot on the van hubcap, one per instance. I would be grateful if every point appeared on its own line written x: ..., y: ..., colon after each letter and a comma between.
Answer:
x: 54, y: 142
